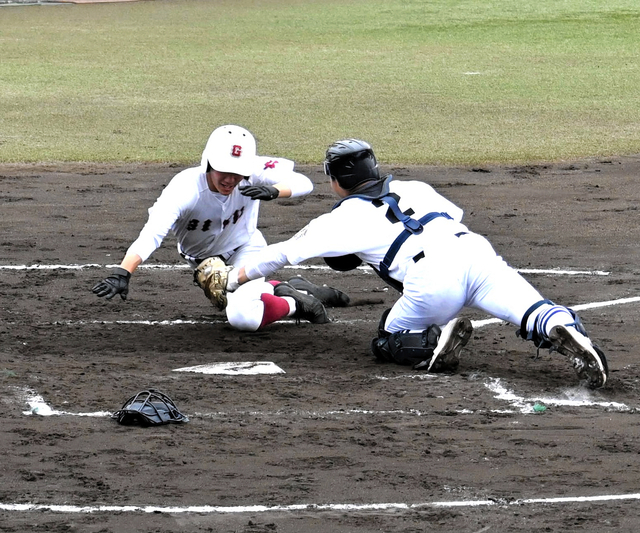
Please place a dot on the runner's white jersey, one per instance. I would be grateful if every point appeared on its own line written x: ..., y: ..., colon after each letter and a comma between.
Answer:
x: 206, y: 223
x: 367, y: 229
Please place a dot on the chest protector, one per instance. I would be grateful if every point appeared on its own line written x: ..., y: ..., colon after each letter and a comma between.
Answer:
x: 411, y: 227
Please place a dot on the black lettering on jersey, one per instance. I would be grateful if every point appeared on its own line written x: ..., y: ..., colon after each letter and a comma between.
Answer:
x: 233, y: 218
x: 194, y: 223
x: 238, y: 214
x: 390, y: 216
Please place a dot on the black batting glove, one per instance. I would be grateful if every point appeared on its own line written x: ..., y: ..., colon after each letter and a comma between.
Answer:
x: 116, y: 283
x: 260, y: 192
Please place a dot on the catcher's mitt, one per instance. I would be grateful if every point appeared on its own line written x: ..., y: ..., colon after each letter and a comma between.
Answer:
x: 149, y: 408
x: 211, y: 276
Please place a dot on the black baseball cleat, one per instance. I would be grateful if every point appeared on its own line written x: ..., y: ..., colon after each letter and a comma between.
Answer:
x: 588, y: 360
x: 446, y: 355
x: 327, y: 295
x: 308, y: 307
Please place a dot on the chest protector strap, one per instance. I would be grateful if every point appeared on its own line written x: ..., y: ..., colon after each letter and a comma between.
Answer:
x: 411, y: 227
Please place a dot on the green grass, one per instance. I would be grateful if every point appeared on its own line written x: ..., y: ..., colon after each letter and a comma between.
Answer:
x: 426, y: 82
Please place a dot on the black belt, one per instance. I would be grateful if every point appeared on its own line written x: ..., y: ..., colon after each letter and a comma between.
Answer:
x: 199, y: 260
x: 191, y: 258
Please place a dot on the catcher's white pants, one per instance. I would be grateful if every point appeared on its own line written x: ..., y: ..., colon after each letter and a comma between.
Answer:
x: 466, y: 272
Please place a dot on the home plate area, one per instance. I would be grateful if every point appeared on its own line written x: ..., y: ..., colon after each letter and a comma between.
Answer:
x: 297, y: 427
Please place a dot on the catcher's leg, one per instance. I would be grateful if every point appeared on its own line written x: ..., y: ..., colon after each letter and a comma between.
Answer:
x: 560, y: 328
x: 433, y: 349
x: 501, y: 291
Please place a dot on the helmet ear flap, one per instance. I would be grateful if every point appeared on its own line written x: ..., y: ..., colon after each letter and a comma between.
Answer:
x: 326, y: 168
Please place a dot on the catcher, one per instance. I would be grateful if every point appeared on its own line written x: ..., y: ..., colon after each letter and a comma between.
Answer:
x: 213, y: 211
x: 415, y: 240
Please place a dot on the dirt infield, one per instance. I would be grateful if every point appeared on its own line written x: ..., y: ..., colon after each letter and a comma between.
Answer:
x: 337, y: 443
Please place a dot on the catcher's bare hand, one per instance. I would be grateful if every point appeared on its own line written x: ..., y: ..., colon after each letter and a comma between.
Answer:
x: 116, y: 283
x: 232, y: 280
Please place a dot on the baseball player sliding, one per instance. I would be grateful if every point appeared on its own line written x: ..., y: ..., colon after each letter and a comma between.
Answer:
x: 414, y: 238
x: 213, y: 211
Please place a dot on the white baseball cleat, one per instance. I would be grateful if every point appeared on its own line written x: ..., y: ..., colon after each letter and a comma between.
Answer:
x: 453, y: 338
x: 587, y: 359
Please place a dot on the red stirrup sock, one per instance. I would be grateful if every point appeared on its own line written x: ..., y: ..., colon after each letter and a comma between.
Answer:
x: 275, y: 308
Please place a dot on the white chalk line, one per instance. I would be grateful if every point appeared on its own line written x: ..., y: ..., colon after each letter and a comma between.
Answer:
x: 580, y: 398
x: 522, y: 404
x: 38, y: 406
x: 181, y: 266
x: 475, y: 323
x: 175, y: 322
x: 579, y: 307
x: 568, y: 397
x: 210, y: 509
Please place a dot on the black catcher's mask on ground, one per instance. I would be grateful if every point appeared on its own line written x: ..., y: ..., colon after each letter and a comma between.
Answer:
x: 351, y: 162
x: 149, y: 408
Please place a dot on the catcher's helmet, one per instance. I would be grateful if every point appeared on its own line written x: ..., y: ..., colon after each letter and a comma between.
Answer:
x: 230, y: 149
x: 351, y: 162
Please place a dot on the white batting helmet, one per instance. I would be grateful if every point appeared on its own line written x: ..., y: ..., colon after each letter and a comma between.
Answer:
x: 230, y: 149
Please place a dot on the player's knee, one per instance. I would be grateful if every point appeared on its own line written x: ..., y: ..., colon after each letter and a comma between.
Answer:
x: 243, y: 324
x: 244, y: 319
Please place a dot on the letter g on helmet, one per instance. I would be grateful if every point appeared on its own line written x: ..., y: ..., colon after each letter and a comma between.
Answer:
x: 230, y: 149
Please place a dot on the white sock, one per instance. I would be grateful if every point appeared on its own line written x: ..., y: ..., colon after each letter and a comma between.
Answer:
x: 547, y: 317
x: 292, y: 305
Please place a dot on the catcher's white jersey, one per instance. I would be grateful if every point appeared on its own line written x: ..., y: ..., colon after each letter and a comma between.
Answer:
x: 207, y: 223
x: 366, y: 228
x: 442, y: 269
